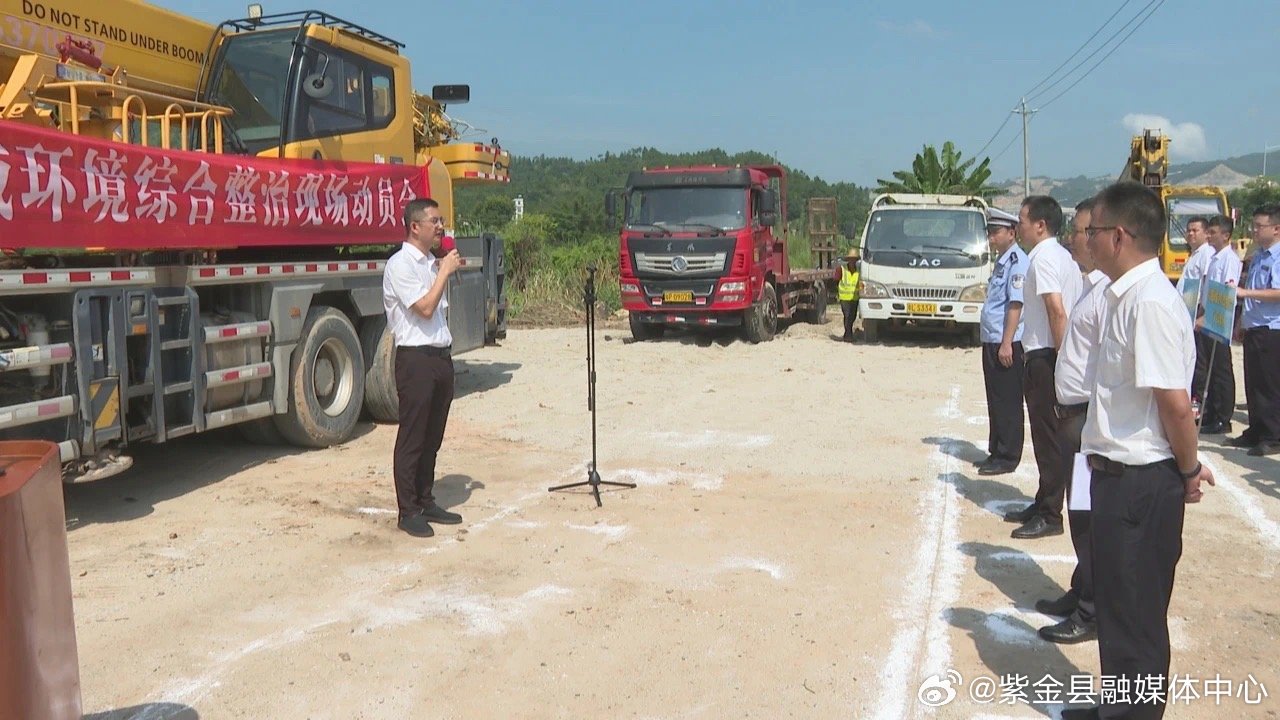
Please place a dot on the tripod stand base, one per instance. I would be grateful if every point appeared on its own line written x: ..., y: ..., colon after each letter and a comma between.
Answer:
x: 593, y: 480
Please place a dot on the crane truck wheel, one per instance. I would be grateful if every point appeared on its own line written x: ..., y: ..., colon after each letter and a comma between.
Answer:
x: 380, y: 400
x: 642, y: 331
x: 761, y: 321
x: 326, y: 382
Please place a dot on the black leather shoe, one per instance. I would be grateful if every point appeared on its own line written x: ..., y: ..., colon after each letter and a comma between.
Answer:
x: 1081, y: 714
x: 1069, y: 632
x: 1242, y: 441
x: 416, y: 526
x: 1021, y: 516
x: 998, y: 467
x: 436, y: 514
x: 1062, y: 607
x: 1037, y: 527
x: 1221, y: 428
x: 1267, y: 448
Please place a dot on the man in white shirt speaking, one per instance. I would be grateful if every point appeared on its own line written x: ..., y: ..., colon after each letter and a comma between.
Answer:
x: 1140, y: 439
x: 414, y: 288
x: 1052, y: 288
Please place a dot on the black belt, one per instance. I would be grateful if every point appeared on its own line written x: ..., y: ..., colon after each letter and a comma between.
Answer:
x: 1039, y: 353
x: 1111, y: 467
x: 428, y: 349
x: 1066, y: 412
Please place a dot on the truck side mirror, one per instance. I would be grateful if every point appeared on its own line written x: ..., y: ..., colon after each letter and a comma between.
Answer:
x: 768, y: 202
x: 451, y: 94
x: 768, y: 218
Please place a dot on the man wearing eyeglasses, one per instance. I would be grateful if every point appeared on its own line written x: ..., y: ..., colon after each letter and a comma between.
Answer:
x: 1260, y: 334
x: 1053, y: 286
x: 1141, y: 443
x: 414, y: 294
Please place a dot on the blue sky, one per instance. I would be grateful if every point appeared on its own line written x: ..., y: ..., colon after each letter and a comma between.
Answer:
x: 846, y: 91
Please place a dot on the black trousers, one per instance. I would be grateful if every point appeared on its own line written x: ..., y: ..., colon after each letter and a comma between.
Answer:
x: 1262, y: 383
x: 850, y: 310
x: 1082, y: 576
x: 1220, y: 403
x: 424, y: 386
x: 1037, y: 386
x: 1004, y: 403
x: 1137, y: 542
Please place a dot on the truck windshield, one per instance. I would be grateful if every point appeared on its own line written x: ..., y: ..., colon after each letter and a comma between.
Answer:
x: 926, y: 237
x: 1182, y: 209
x: 251, y: 79
x: 722, y: 208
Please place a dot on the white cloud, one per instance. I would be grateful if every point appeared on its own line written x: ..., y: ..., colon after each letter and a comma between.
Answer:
x: 917, y: 27
x: 1186, y: 140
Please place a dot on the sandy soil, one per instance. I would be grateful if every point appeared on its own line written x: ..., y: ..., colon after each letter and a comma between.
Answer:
x: 808, y: 539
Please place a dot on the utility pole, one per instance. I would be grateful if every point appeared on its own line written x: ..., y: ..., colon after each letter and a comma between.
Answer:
x: 1026, y: 147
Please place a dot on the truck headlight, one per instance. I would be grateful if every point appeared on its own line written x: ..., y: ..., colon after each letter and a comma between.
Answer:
x: 872, y: 289
x: 733, y: 287
x: 629, y: 288
x: 974, y: 293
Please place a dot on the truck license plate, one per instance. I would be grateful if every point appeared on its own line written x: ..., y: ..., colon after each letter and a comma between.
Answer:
x: 677, y: 296
x: 922, y: 308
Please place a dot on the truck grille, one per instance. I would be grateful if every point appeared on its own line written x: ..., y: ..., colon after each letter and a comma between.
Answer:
x: 678, y: 264
x: 919, y: 293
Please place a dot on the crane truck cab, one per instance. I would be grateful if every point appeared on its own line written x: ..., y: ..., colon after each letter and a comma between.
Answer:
x: 925, y: 263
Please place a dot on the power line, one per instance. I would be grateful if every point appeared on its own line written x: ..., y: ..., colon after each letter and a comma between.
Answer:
x: 1005, y: 149
x: 1145, y: 8
x: 1082, y: 47
x: 1046, y: 78
x: 1104, y: 57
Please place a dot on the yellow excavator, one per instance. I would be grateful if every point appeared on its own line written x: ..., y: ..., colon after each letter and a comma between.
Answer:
x: 298, y: 85
x: 1149, y: 164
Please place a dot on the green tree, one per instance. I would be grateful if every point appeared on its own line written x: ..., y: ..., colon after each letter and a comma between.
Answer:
x: 492, y: 213
x: 942, y: 173
x: 1254, y: 194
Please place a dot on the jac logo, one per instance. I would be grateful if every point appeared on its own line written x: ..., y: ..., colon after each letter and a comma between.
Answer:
x: 924, y: 262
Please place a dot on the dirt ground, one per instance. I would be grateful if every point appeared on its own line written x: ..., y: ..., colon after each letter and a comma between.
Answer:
x: 807, y: 539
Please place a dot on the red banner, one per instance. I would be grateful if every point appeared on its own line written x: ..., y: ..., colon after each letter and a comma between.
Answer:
x: 65, y: 191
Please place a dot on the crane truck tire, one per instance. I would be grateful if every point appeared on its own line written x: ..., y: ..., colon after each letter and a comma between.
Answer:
x: 380, y: 400
x: 761, y: 321
x: 326, y: 382
x: 642, y: 331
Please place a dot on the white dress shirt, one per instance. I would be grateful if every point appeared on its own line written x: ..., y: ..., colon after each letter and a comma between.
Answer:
x: 408, y: 276
x: 1146, y: 345
x: 1225, y: 267
x: 1077, y: 364
x: 1052, y: 271
x: 1197, y: 265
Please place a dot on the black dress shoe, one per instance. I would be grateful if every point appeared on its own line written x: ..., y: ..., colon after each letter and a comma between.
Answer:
x: 1037, y: 527
x: 1023, y: 515
x: 416, y: 526
x: 1271, y: 447
x: 436, y: 514
x: 998, y: 467
x: 1081, y: 714
x: 1218, y: 428
x: 1242, y: 441
x: 1062, y: 607
x: 1069, y: 632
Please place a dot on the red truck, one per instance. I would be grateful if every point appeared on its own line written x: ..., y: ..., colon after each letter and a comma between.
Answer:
x: 707, y: 246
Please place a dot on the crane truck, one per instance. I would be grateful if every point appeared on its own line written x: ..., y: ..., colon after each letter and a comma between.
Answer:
x: 706, y: 246
x: 1148, y: 164
x: 194, y: 221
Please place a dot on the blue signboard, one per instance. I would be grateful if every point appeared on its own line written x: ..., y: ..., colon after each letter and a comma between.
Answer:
x: 1219, y: 311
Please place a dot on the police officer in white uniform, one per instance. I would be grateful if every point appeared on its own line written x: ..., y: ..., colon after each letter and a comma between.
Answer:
x: 1140, y: 439
x: 1053, y: 286
x: 1001, y: 328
